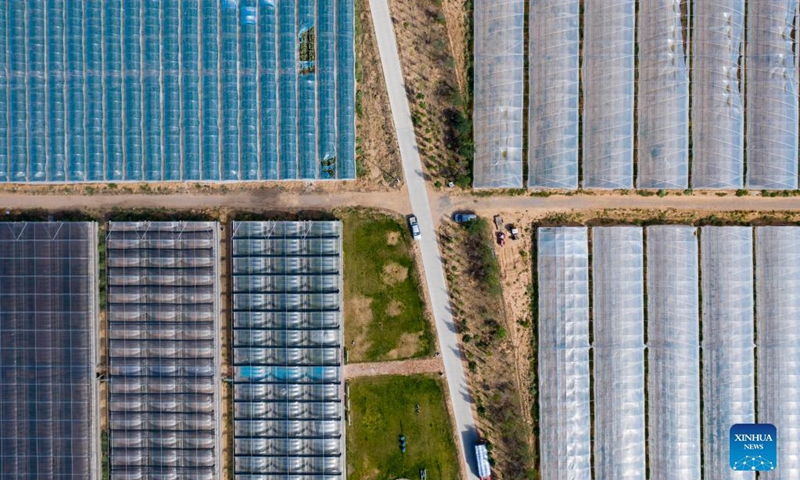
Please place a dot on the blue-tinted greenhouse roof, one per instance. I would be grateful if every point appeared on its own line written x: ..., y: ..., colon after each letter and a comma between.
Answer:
x: 173, y: 90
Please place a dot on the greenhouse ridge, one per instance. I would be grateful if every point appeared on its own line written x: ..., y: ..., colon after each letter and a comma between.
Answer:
x: 672, y: 95
x: 123, y: 90
x: 684, y: 286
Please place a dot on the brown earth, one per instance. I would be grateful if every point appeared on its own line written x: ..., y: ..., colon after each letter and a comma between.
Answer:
x: 394, y: 308
x: 394, y: 273
x: 407, y: 346
x: 431, y: 39
x: 358, y: 312
x: 392, y: 238
x: 402, y: 367
x: 377, y: 151
x: 498, y: 353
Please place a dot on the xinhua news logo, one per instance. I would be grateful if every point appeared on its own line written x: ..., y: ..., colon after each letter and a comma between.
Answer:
x: 754, y: 447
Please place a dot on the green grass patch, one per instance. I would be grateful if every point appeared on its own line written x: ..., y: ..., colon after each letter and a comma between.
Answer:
x: 384, y: 311
x: 382, y: 409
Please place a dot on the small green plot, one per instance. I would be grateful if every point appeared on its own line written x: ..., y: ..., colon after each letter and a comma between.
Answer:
x: 385, y: 318
x: 388, y: 413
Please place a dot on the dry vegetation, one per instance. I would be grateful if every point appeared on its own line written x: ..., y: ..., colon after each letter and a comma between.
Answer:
x: 433, y: 38
x: 377, y: 152
x: 492, y: 335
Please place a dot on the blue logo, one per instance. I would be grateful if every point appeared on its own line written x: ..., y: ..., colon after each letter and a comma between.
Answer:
x: 754, y: 447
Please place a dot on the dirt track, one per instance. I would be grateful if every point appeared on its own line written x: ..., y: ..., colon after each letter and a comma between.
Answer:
x: 403, y: 367
x: 444, y: 204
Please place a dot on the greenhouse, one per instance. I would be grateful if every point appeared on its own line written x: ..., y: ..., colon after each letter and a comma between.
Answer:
x: 565, y: 421
x: 163, y: 350
x: 662, y: 97
x: 608, y: 91
x: 287, y: 341
x: 771, y: 95
x: 778, y: 347
x: 717, y: 113
x: 673, y: 340
x: 177, y: 90
x: 499, y: 84
x: 554, y: 74
x: 728, y: 356
x: 618, y: 343
x: 49, y: 420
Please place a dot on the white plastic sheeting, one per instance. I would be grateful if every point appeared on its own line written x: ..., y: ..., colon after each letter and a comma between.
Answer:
x: 287, y: 340
x: 499, y: 84
x: 728, y: 357
x: 608, y: 90
x: 565, y: 428
x: 163, y: 349
x: 663, y: 97
x: 618, y: 316
x: 673, y: 338
x: 554, y: 73
x: 771, y: 96
x: 778, y: 327
x: 717, y: 115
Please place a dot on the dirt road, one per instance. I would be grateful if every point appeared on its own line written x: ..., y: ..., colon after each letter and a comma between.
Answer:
x: 402, y: 367
x: 258, y: 200
x: 443, y: 203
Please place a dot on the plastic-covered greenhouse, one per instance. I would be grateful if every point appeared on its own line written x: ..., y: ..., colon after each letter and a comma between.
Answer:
x: 49, y: 421
x: 663, y: 97
x: 618, y: 344
x: 778, y: 327
x: 673, y: 339
x: 287, y: 339
x: 554, y: 74
x: 608, y: 89
x: 163, y: 350
x: 565, y: 425
x: 771, y: 95
x: 214, y: 90
x: 499, y: 84
x: 717, y: 113
x: 728, y: 356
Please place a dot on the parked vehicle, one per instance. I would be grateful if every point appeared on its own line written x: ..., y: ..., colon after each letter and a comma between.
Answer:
x: 464, y: 217
x: 498, y: 223
x: 484, y: 469
x: 501, y: 239
x: 414, y: 226
x: 514, y: 232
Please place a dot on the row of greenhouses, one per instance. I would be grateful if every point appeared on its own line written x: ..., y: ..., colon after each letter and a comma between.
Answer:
x: 679, y: 94
x: 163, y: 308
x: 176, y: 90
x: 49, y: 319
x: 613, y: 393
x: 287, y: 341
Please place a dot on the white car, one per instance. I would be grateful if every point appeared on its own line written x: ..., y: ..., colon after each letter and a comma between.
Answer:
x: 412, y: 223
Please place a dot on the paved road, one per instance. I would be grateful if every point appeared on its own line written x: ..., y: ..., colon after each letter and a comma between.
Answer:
x: 460, y: 396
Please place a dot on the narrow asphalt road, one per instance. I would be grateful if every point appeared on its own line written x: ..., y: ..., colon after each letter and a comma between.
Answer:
x: 460, y: 396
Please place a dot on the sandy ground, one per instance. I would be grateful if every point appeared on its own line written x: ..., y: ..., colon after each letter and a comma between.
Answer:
x: 403, y: 367
x: 273, y: 198
x: 516, y: 275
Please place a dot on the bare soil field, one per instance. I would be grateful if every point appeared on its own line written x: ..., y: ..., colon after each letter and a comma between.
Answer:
x: 432, y: 38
